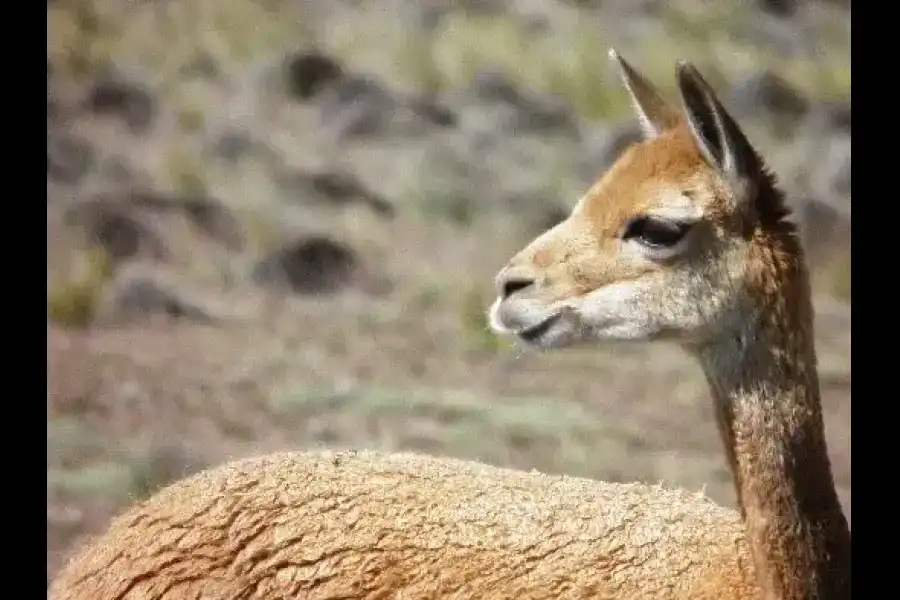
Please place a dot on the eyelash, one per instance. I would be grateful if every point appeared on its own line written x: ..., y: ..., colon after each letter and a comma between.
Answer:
x: 655, y: 233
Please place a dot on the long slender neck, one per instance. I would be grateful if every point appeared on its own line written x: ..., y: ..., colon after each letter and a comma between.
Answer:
x: 765, y: 386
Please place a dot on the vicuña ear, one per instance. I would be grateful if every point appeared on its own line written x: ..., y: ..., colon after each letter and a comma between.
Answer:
x: 719, y: 137
x: 654, y: 113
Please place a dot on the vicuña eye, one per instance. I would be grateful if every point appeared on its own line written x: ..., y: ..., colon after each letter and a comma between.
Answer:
x: 654, y: 232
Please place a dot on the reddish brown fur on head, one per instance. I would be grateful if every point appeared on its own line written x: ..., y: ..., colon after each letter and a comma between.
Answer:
x: 664, y: 245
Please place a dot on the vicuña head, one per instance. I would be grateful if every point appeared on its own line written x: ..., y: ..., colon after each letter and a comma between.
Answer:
x: 686, y: 239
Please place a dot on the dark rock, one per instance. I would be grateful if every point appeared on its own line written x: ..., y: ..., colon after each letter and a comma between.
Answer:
x: 779, y: 8
x: 119, y: 221
x: 202, y: 65
x: 215, y: 220
x: 206, y: 214
x: 315, y: 265
x: 840, y: 117
x: 131, y: 102
x: 434, y: 112
x: 140, y: 297
x: 308, y: 73
x: 492, y: 85
x: 337, y: 188
x: 234, y: 145
x: 543, y: 116
x: 358, y: 106
x: 116, y: 170
x: 829, y: 117
x: 116, y: 230
x: 69, y: 157
x: 768, y: 94
x: 340, y: 186
x: 533, y: 112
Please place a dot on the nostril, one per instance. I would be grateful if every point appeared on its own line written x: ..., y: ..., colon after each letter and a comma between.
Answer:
x: 511, y: 286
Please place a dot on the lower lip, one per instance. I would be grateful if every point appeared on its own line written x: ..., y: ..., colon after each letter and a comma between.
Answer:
x: 535, y: 333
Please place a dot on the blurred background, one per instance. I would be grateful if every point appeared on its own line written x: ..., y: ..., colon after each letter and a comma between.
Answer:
x: 274, y: 224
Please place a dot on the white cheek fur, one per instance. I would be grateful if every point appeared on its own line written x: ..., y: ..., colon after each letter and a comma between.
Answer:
x: 614, y: 311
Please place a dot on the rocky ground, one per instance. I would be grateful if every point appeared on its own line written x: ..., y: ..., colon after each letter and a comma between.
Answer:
x: 274, y: 224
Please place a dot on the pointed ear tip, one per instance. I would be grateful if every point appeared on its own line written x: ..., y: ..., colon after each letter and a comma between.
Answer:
x: 683, y: 67
x: 614, y: 56
x: 688, y: 74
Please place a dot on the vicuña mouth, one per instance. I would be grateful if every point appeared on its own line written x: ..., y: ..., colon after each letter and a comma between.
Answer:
x: 536, y: 332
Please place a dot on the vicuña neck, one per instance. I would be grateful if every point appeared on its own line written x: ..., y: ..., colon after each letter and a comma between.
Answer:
x: 766, y: 390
